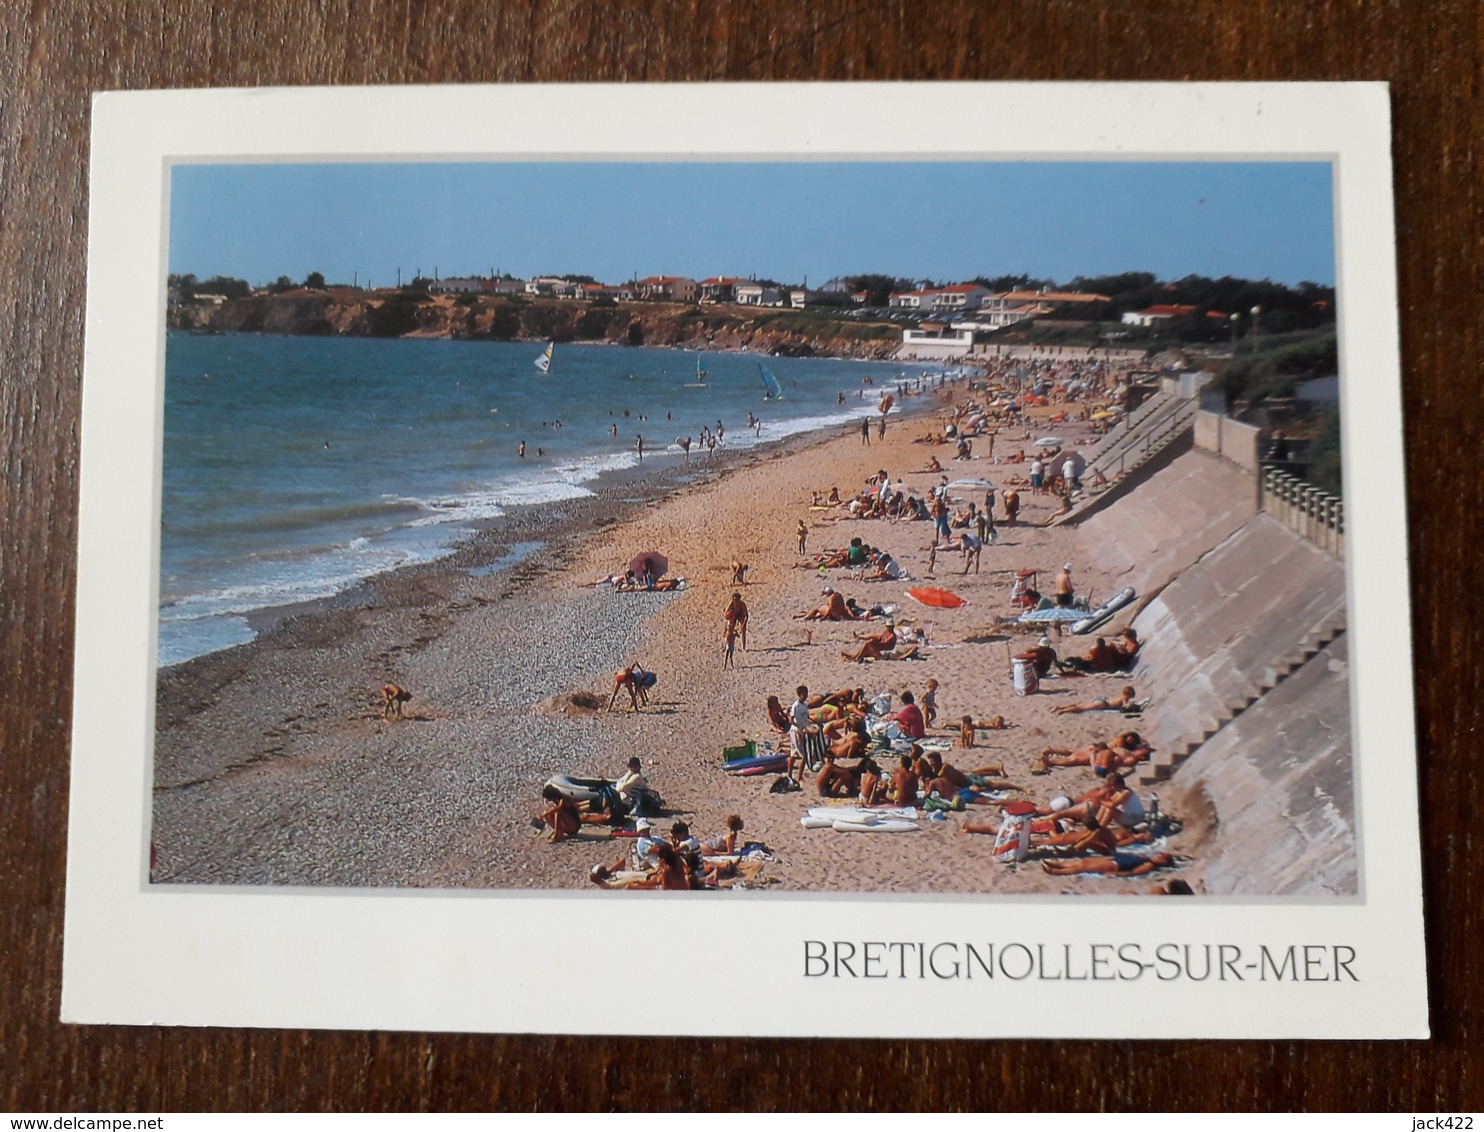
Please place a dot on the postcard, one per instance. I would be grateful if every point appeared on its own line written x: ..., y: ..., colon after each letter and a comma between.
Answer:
x: 863, y: 560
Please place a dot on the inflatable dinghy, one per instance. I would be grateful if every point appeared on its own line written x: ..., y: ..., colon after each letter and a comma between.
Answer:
x: 1103, y: 612
x: 578, y: 789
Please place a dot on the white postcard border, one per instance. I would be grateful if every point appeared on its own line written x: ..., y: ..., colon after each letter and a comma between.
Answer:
x: 479, y: 961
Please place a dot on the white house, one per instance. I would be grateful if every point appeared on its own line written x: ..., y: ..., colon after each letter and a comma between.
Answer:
x: 502, y: 286
x: 911, y: 300
x: 720, y: 288
x: 959, y: 297
x: 757, y: 295
x: 1153, y: 316
x: 456, y: 285
x: 668, y: 288
x: 547, y: 285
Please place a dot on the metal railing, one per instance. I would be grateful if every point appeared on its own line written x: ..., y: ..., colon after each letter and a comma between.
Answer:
x: 1144, y: 440
x: 1313, y: 514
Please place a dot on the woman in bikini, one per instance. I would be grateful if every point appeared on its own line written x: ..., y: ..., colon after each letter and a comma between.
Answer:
x: 1121, y: 702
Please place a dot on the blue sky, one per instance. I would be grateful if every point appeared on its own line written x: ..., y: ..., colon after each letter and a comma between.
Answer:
x: 943, y: 221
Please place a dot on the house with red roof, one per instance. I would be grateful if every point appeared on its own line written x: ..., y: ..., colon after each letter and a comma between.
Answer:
x: 1153, y: 316
x: 720, y: 288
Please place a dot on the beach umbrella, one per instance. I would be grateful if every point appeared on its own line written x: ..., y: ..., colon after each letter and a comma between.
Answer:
x: 938, y: 599
x: 658, y: 563
x: 1049, y: 442
x: 1055, y: 613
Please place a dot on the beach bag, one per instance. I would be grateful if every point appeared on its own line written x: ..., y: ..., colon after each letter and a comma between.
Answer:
x: 1024, y: 674
x: 1012, y: 843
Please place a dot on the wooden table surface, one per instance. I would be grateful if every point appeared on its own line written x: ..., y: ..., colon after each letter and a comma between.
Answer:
x: 53, y: 55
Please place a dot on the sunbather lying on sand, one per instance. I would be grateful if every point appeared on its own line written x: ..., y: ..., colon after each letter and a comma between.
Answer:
x: 885, y: 569
x: 726, y: 845
x: 617, y: 876
x: 1124, y: 864
x: 1120, y: 702
x: 970, y: 725
x: 1109, y: 803
x: 875, y: 646
x: 946, y: 779
x: 833, y: 609
x: 845, y: 697
x: 1123, y: 754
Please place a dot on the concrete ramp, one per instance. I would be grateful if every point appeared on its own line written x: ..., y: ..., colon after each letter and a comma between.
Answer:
x: 1244, y: 659
x: 1277, y: 785
x: 1165, y: 524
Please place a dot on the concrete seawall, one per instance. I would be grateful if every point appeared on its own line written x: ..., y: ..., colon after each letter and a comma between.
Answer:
x: 1244, y: 659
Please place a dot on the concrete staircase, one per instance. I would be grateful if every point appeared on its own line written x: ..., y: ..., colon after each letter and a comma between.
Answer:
x: 1227, y: 630
x: 1163, y: 764
x: 1147, y: 434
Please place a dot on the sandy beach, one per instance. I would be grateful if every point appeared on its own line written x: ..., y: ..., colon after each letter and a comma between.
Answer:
x: 274, y: 766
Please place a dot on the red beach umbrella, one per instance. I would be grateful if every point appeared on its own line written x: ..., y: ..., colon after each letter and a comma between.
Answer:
x: 657, y: 563
x: 938, y: 599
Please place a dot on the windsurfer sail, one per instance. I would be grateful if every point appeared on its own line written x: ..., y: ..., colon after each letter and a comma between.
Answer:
x: 543, y: 362
x: 775, y: 391
x: 700, y: 381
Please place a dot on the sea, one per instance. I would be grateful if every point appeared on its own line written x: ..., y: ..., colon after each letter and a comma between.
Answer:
x: 296, y: 467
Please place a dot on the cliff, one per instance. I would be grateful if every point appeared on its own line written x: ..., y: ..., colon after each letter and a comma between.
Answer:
x: 361, y: 314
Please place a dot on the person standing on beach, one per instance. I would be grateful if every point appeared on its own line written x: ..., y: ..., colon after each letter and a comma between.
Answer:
x: 639, y: 445
x: 866, y: 431
x: 736, y: 618
x: 803, y: 535
x: 1063, y: 588
x: 798, y: 715
x: 731, y: 645
x: 881, y: 428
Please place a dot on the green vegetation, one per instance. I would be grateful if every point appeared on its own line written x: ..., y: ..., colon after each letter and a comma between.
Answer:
x: 188, y: 286
x: 1324, y: 452
x: 1279, y: 365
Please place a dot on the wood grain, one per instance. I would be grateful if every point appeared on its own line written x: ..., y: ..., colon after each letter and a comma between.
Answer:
x: 53, y: 55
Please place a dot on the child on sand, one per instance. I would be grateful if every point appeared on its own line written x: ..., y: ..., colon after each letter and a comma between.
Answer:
x: 803, y: 535
x: 930, y: 704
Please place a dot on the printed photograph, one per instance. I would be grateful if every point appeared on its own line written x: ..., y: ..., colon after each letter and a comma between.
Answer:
x: 941, y: 528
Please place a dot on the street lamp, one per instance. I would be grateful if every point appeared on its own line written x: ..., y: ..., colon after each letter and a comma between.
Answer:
x: 1236, y: 321
x: 1255, y: 312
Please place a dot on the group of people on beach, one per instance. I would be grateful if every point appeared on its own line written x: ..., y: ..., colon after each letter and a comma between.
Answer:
x: 892, y: 749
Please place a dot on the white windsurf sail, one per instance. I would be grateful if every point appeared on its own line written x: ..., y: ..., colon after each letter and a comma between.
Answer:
x: 543, y: 363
